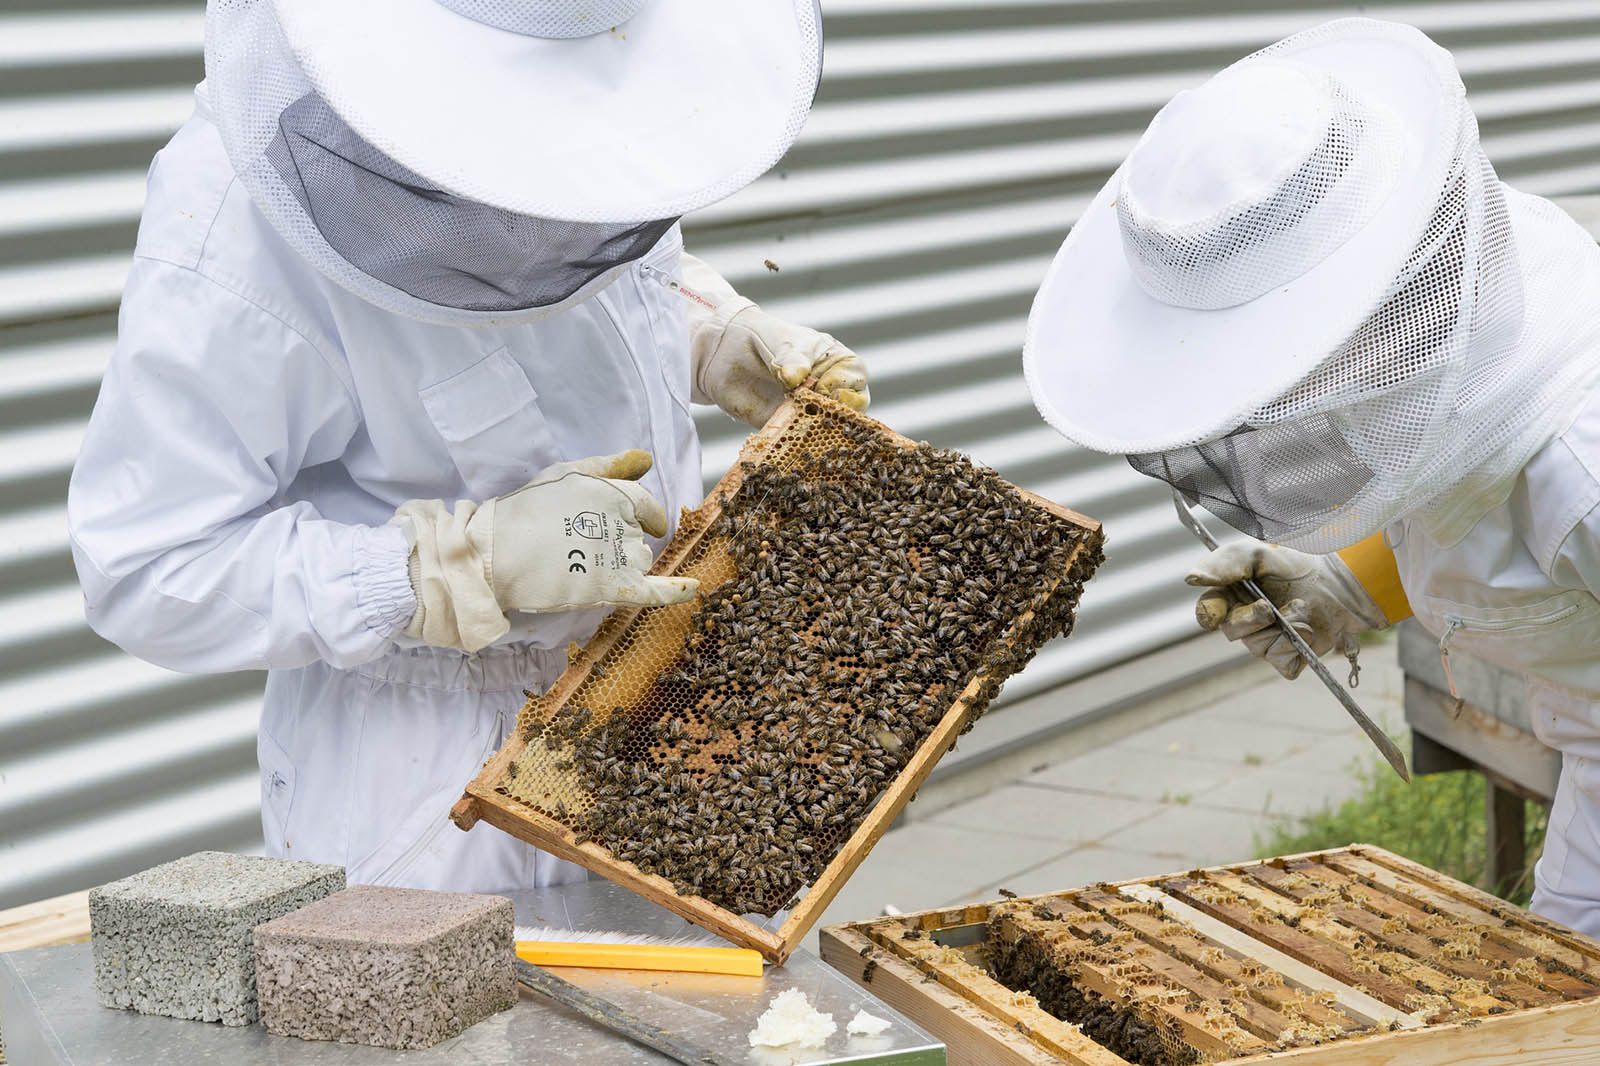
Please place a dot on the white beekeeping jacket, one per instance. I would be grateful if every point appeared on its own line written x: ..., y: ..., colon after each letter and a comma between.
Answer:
x: 1520, y: 591
x: 256, y: 429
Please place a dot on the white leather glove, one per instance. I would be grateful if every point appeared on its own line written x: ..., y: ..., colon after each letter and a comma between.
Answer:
x: 745, y: 360
x: 1318, y: 594
x: 570, y: 538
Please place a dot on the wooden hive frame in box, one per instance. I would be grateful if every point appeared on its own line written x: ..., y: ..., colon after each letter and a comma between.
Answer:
x: 1349, y: 937
x: 622, y: 640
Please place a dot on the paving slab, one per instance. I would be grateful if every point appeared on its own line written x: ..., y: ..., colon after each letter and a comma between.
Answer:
x: 1154, y: 777
x: 1207, y: 735
x: 1277, y: 793
x: 924, y: 864
x: 1381, y: 694
x: 1049, y: 814
x: 1334, y: 756
x: 1265, y: 705
x: 1087, y: 865
x: 1191, y: 836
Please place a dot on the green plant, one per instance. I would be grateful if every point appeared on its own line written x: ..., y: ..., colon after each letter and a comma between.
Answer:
x: 1438, y: 820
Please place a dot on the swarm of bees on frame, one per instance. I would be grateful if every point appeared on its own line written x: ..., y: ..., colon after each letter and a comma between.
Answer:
x: 871, y: 583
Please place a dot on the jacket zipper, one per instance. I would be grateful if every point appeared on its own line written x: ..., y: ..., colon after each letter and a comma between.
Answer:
x: 658, y: 275
x: 1451, y: 625
x: 1455, y: 623
x: 661, y: 277
x: 408, y: 857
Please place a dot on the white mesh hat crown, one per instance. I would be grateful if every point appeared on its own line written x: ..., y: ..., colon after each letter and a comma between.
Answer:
x: 1306, y: 301
x: 1248, y: 182
x: 548, y: 18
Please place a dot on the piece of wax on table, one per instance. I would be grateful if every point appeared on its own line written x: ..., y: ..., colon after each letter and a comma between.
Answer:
x: 864, y: 1024
x: 791, y: 1021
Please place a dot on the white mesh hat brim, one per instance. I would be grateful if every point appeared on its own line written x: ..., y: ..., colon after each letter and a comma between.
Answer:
x: 1118, y: 371
x: 683, y: 105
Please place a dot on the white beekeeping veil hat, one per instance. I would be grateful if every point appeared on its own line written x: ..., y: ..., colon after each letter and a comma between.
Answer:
x: 1306, y: 301
x: 455, y: 159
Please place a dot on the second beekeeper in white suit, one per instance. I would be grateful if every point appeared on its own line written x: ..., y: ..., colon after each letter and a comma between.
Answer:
x: 1307, y: 302
x: 400, y: 398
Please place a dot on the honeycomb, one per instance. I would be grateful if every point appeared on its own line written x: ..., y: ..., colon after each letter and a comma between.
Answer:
x: 1156, y: 991
x: 852, y: 585
x: 1029, y: 953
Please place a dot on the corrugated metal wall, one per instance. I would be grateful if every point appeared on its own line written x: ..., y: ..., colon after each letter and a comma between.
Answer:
x: 953, y: 142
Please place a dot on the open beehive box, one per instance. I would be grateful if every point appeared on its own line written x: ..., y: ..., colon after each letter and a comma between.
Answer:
x: 862, y: 598
x: 1355, y: 957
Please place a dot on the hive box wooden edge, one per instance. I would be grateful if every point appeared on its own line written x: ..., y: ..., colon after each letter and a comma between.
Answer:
x: 985, y: 1024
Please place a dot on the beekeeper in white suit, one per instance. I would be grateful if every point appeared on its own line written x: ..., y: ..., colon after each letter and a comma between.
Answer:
x: 1306, y: 301
x: 413, y: 251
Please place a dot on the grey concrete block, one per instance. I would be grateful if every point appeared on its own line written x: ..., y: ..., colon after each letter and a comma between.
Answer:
x: 176, y: 939
x: 389, y: 967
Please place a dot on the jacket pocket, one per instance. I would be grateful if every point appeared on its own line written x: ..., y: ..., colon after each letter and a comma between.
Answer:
x: 1551, y: 636
x: 489, y: 418
x: 277, y: 794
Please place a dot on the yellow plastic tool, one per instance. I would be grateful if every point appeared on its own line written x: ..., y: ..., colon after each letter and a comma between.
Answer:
x: 739, y: 962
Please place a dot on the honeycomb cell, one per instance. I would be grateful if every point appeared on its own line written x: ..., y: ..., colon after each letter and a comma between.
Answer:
x: 852, y: 587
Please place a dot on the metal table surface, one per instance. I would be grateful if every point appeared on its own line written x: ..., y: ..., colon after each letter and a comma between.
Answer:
x: 50, y: 1017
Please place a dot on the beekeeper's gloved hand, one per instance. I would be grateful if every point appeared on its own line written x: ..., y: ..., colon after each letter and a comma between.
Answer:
x: 1318, y: 594
x: 745, y: 360
x: 570, y: 538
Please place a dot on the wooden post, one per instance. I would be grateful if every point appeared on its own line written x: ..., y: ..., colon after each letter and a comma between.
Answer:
x: 1507, y: 839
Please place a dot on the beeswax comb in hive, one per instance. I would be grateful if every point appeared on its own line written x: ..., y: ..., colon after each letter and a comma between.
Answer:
x: 734, y: 759
x: 1353, y: 957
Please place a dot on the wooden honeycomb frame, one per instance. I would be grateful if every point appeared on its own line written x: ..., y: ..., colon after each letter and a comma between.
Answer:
x: 1201, y: 940
x: 665, y: 627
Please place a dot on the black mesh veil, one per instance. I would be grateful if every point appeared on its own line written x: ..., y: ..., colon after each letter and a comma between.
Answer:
x: 1268, y: 481
x: 1280, y: 479
x: 400, y: 229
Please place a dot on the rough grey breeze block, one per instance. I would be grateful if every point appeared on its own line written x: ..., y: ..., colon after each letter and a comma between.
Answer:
x: 391, y: 967
x: 176, y: 939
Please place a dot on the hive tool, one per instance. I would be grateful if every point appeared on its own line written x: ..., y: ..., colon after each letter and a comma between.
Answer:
x: 1379, y: 738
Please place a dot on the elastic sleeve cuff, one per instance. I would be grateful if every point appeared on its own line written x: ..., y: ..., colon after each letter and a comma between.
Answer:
x: 1375, y: 570
x: 383, y: 584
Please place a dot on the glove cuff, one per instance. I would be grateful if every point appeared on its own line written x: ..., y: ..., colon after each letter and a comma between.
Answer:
x: 456, y: 605
x: 413, y: 628
x: 1353, y: 594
